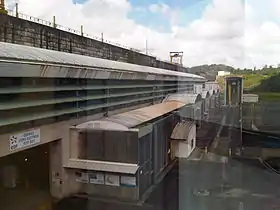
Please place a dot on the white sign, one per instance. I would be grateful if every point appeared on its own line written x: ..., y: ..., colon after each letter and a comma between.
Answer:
x: 96, y: 178
x: 24, y: 139
x: 82, y: 177
x: 128, y: 181
x: 250, y: 98
x: 112, y: 180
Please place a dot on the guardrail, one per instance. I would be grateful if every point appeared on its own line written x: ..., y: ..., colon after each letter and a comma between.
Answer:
x: 17, y: 14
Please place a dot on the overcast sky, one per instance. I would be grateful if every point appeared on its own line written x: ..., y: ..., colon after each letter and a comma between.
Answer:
x: 241, y: 33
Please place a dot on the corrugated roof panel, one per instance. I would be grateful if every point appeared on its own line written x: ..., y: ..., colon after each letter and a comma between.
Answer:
x: 187, y: 98
x: 182, y: 130
x: 205, y: 94
x: 102, y: 125
x: 20, y: 52
x: 136, y: 117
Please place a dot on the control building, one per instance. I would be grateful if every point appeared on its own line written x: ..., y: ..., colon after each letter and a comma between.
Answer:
x: 73, y: 124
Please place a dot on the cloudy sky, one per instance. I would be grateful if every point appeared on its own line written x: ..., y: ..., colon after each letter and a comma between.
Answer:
x: 242, y: 33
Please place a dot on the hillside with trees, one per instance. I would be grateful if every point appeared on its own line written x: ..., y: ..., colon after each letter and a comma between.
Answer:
x: 209, y: 71
x: 270, y: 84
x: 264, y: 80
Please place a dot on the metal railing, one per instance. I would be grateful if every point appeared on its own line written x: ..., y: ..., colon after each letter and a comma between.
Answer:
x: 17, y: 14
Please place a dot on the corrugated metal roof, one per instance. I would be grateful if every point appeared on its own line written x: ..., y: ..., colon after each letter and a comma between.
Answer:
x: 182, y: 130
x: 10, y: 51
x: 102, y: 125
x: 211, y: 92
x: 136, y: 117
x: 186, y: 98
x: 131, y: 119
x: 126, y: 120
x: 205, y: 94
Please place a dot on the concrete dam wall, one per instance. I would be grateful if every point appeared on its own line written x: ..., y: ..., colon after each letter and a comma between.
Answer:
x: 24, y: 32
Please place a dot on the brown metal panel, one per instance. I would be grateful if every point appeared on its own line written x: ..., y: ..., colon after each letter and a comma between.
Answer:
x: 116, y: 146
x: 121, y: 146
x: 139, y: 116
x: 161, y: 136
x: 92, y: 145
x: 145, y: 162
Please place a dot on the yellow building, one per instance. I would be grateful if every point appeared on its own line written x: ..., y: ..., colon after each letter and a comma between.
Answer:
x: 2, y: 7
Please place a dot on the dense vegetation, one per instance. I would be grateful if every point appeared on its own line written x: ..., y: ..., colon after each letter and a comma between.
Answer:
x: 250, y: 80
x: 265, y: 82
x: 270, y: 84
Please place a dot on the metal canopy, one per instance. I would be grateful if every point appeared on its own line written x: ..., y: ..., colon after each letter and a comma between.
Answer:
x: 133, y: 118
x: 186, y: 98
x: 211, y: 92
x: 182, y: 130
x: 136, y: 117
x: 205, y: 94
x: 14, y: 52
x: 102, y: 125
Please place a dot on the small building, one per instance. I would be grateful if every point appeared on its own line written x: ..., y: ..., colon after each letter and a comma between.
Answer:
x: 212, y: 86
x: 198, y: 88
x: 223, y: 73
x: 233, y: 90
x: 192, y: 110
x: 183, y: 139
x: 123, y: 156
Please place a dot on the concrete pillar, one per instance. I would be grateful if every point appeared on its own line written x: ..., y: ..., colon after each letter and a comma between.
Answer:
x: 69, y: 149
x: 56, y: 169
x: 62, y: 181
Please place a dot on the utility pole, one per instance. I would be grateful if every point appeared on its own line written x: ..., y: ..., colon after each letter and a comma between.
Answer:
x: 54, y: 22
x: 146, y: 49
x: 82, y: 30
x: 17, y: 10
x: 146, y: 46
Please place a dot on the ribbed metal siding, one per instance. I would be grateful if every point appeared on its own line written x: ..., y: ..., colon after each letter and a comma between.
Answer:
x: 161, y: 135
x: 115, y: 146
x: 187, y: 112
x: 145, y: 162
x: 24, y: 100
